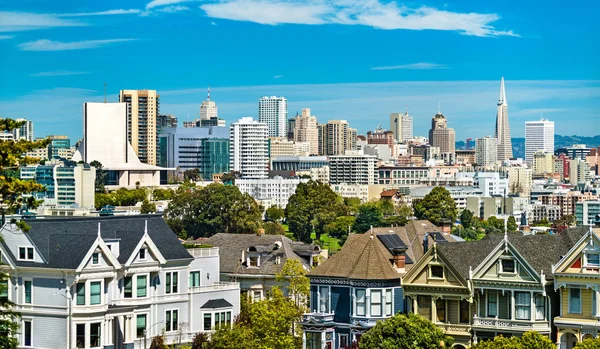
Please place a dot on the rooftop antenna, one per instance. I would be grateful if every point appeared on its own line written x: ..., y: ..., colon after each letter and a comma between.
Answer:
x: 105, y: 92
x: 208, y: 93
x: 406, y: 108
x: 99, y: 233
x: 439, y: 109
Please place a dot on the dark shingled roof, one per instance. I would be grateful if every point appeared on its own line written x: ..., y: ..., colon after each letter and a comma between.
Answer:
x: 216, y: 303
x: 63, y: 242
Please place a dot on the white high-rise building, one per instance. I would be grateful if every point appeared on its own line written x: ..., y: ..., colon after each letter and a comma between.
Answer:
x: 486, y: 151
x: 273, y: 112
x: 539, y: 135
x: 25, y: 131
x: 248, y: 148
x: 407, y: 127
x: 502, y: 127
x: 208, y: 109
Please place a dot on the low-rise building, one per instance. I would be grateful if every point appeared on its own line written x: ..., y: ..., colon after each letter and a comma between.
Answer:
x: 298, y: 163
x: 352, y: 168
x: 276, y: 190
x: 586, y: 212
x: 364, y: 192
x: 543, y: 163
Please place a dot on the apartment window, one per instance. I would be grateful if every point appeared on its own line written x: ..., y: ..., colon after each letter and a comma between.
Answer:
x: 522, y: 305
x: 95, y: 292
x: 388, y: 303
x: 440, y: 309
x: 171, y: 320
x: 140, y: 325
x: 80, y: 288
x: 324, y: 299
x: 574, y: 301
x: 376, y: 303
x: 361, y: 302
x: 194, y: 279
x: 142, y: 253
x: 540, y: 307
x: 26, y: 253
x: 95, y: 259
x: 207, y: 321
x: 492, y: 306
x: 592, y: 260
x: 127, y: 287
x: 141, y: 285
x: 80, y: 335
x: 27, y: 333
x: 171, y: 284
x: 95, y: 334
x: 424, y: 306
x: 508, y: 266
x: 437, y: 271
x: 27, y: 286
x: 465, y: 317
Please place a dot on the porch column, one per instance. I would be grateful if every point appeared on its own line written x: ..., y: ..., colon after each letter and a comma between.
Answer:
x: 533, y: 310
x: 368, y: 303
x: 559, y: 339
x: 512, y: 305
x: 597, y: 299
x: 303, y: 340
x: 131, y: 328
x: 433, y: 310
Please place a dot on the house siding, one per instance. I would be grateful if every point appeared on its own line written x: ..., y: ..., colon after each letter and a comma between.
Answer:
x: 47, y: 331
x: 399, y: 300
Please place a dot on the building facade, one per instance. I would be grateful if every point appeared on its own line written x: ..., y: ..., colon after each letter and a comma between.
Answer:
x: 543, y: 163
x: 486, y: 151
x: 273, y: 111
x: 142, y: 109
x: 337, y: 137
x: 305, y: 130
x: 539, y: 136
x: 298, y: 163
x: 275, y: 191
x: 24, y: 131
x: 586, y: 212
x: 442, y: 137
x: 502, y: 132
x: 248, y: 148
x: 352, y: 168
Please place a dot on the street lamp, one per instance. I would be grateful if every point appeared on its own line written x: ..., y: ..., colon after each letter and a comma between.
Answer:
x: 146, y: 332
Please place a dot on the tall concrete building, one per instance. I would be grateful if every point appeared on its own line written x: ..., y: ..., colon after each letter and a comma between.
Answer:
x: 25, y: 131
x: 208, y: 108
x: 352, y: 168
x: 248, y: 148
x: 443, y: 137
x: 305, y: 130
x: 542, y: 163
x: 502, y: 132
x: 337, y: 137
x: 407, y: 127
x: 273, y: 111
x: 486, y: 151
x: 539, y: 135
x: 142, y: 109
x: 579, y: 171
x: 402, y: 126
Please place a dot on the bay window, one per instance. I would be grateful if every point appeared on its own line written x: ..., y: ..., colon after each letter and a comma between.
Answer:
x: 361, y: 302
x: 207, y: 321
x: 141, y: 286
x: 140, y: 326
x: 465, y: 317
x: 388, y: 303
x: 424, y: 306
x: 324, y: 299
x: 376, y: 303
x: 440, y: 309
x: 95, y: 334
x: 80, y: 289
x: 492, y: 304
x: 80, y: 335
x: 95, y: 292
x: 522, y: 305
x: 540, y: 307
x: 128, y: 287
x: 574, y: 301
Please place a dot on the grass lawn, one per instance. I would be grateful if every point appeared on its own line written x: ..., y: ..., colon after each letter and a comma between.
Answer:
x: 330, y: 243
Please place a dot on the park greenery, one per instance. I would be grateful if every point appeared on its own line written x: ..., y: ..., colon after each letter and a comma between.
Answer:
x: 436, y: 206
x: 529, y: 340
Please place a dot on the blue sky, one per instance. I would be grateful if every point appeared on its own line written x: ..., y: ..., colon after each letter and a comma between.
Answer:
x: 345, y: 59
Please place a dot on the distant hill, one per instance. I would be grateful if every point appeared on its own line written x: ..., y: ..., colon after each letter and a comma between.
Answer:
x: 518, y: 144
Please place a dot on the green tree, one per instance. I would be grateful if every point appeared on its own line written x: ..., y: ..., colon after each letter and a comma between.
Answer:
x: 563, y: 223
x: 102, y: 199
x: 298, y: 284
x: 511, y: 225
x: 386, y: 206
x: 466, y: 219
x: 216, y: 208
x: 312, y: 206
x: 394, y: 221
x: 404, y: 211
x: 529, y: 340
x: 229, y: 178
x: 163, y: 194
x: 147, y: 207
x: 590, y: 343
x: 273, y: 228
x: 352, y: 205
x: 405, y: 332
x: 100, y: 176
x: 192, y: 175
x: 369, y: 215
x: 495, y: 225
x: 200, y: 341
x: 12, y: 198
x: 436, y: 205
x: 340, y: 226
x: 274, y: 214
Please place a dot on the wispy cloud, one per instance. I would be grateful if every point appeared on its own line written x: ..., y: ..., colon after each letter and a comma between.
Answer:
x: 277, y: 76
x: 101, y: 13
x: 413, y: 66
x: 159, y: 3
x: 372, y: 13
x: 21, y: 21
x: 213, y: 23
x: 5, y: 37
x: 49, y: 45
x: 58, y: 73
x: 173, y: 9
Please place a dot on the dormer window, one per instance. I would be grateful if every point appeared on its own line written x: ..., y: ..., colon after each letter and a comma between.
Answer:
x: 142, y: 253
x: 253, y: 261
x: 95, y: 258
x: 592, y: 260
x: 26, y: 253
x: 507, y: 266
x: 436, y: 272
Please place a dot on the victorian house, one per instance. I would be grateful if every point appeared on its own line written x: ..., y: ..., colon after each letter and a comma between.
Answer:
x: 111, y: 283
x: 360, y: 284
x: 577, y: 279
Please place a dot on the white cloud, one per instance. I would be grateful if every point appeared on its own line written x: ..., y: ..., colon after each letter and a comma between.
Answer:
x: 5, y: 37
x: 413, y: 66
x: 213, y: 23
x: 21, y: 21
x: 277, y: 76
x: 372, y: 13
x: 101, y: 13
x: 49, y: 45
x: 158, y: 3
x: 58, y: 73
x: 173, y: 9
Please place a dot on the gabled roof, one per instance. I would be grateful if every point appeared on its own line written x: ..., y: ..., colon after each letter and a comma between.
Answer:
x: 64, y: 242
x: 216, y: 304
x: 591, y: 238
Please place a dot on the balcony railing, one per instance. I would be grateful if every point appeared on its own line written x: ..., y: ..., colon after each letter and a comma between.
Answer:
x: 510, y: 324
x: 217, y: 286
x: 204, y: 252
x: 317, y: 317
x: 455, y: 328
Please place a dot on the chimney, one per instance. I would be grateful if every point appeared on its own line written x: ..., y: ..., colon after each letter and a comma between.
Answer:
x: 425, y: 243
x: 399, y: 257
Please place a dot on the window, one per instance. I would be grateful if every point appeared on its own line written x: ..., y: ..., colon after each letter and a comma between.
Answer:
x: 95, y: 334
x: 27, y: 286
x: 171, y: 284
x: 80, y: 335
x: 95, y: 259
x: 194, y: 279
x: 141, y: 286
x: 171, y: 320
x: 376, y: 303
x: 440, y: 309
x: 424, y: 306
x: 95, y: 292
x: 140, y: 325
x: 256, y: 296
x: 574, y: 301
x: 127, y: 287
x: 540, y: 307
x: 313, y: 340
x: 343, y: 341
x: 592, y: 260
x: 142, y: 254
x: 4, y: 290
x: 361, y: 302
x: 508, y: 266
x: 80, y: 293
x: 253, y: 261
x: 492, y: 306
x: 324, y: 299
x: 26, y: 253
x: 228, y: 317
x: 522, y: 305
x: 465, y: 317
x: 207, y: 321
x: 388, y: 303
x: 437, y: 271
x: 27, y: 333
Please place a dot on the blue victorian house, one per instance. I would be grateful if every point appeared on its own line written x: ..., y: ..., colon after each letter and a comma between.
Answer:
x: 360, y: 284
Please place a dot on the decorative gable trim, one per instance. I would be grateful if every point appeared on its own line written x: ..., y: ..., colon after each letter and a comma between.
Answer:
x: 151, y: 246
x: 7, y: 258
x: 424, y: 262
x: 591, y: 238
x: 99, y: 243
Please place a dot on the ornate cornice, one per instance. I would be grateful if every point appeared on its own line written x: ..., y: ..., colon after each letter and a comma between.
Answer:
x: 355, y: 283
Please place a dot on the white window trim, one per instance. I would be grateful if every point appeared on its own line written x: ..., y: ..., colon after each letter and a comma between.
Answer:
x: 386, y: 301
x: 145, y: 254
x: 23, y: 320
x: 26, y: 254
x: 88, y: 334
x: 437, y: 277
x: 356, y: 302
x: 585, y: 260
x: 501, y: 269
x: 347, y: 335
x: 178, y: 313
x: 95, y: 254
x: 134, y: 285
x: 24, y: 290
x: 199, y: 271
x: 88, y: 292
x: 147, y: 319
x: 381, y: 302
x: 170, y: 290
x: 580, y: 301
x: 328, y: 299
x: 487, y: 307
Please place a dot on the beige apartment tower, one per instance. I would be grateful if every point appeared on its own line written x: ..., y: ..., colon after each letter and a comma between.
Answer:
x: 306, y: 131
x: 337, y: 137
x: 142, y: 109
x: 441, y: 136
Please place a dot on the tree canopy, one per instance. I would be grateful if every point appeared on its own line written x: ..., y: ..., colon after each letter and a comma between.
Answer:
x: 274, y: 214
x: 147, y: 207
x: 369, y: 215
x: 529, y: 340
x: 405, y: 332
x: 313, y: 205
x: 296, y: 283
x: 216, y: 208
x: 590, y: 343
x: 435, y: 206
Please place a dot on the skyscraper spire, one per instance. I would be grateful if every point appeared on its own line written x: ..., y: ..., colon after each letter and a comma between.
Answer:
x: 502, y: 133
x: 502, y: 98
x: 208, y: 96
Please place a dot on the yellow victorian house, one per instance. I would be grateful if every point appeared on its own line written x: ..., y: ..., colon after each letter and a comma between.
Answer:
x: 577, y: 279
